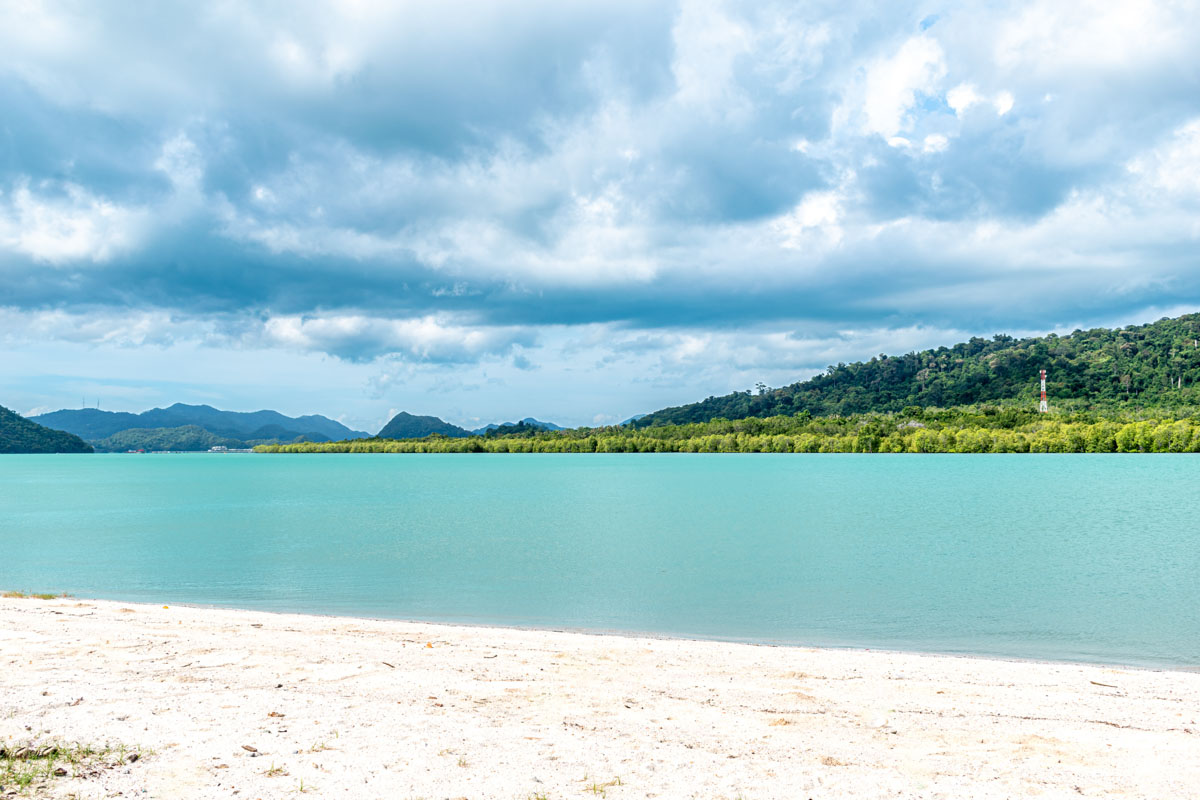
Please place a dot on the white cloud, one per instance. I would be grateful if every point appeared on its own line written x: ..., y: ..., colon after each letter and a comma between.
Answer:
x: 892, y: 85
x: 776, y: 354
x: 59, y: 222
x: 936, y: 143
x: 313, y: 239
x: 181, y: 161
x: 962, y: 97
x: 360, y: 337
x: 1173, y: 167
x: 813, y: 223
x: 965, y: 95
x: 355, y: 337
x: 1058, y: 36
x: 126, y: 329
x: 707, y: 42
x: 537, y: 166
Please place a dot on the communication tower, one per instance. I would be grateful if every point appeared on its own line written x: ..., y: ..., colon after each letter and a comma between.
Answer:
x: 1042, y: 407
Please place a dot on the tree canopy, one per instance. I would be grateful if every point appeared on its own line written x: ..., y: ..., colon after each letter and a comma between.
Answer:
x: 1155, y: 365
x: 984, y: 429
x: 19, y: 435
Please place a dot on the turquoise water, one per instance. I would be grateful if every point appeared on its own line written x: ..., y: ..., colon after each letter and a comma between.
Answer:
x: 1074, y: 557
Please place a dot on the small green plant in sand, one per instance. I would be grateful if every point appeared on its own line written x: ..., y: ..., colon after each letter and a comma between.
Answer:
x: 34, y: 764
x: 35, y: 595
x: 601, y: 789
x: 462, y: 762
x: 275, y: 772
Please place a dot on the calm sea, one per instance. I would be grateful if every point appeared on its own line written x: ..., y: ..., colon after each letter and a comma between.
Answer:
x: 1074, y: 557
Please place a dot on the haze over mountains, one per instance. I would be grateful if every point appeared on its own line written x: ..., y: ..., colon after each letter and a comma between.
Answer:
x: 192, y: 427
x: 410, y: 426
x: 529, y: 422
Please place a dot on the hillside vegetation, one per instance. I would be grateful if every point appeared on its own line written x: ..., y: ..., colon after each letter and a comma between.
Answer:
x: 19, y: 435
x: 409, y: 426
x: 1112, y: 391
x: 186, y: 438
x: 191, y: 438
x: 962, y: 430
x: 1155, y: 365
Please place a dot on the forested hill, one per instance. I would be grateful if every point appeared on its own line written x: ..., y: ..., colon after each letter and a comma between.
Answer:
x: 409, y: 426
x: 19, y: 435
x: 1154, y: 365
x: 191, y: 438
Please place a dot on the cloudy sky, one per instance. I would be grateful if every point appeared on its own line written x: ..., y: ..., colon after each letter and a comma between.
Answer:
x: 577, y: 211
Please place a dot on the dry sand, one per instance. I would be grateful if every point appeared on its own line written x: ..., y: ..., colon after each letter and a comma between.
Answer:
x: 356, y: 708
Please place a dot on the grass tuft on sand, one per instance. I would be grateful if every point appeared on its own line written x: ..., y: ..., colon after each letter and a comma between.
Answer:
x: 29, y: 766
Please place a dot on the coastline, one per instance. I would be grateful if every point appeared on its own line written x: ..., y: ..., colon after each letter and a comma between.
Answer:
x: 651, y: 635
x: 358, y: 707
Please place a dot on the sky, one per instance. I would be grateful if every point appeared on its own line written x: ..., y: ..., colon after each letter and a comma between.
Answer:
x: 573, y: 211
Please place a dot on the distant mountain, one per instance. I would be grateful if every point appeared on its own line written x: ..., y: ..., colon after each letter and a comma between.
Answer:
x: 93, y: 424
x: 191, y: 438
x: 186, y: 438
x: 277, y: 434
x: 1154, y: 365
x: 528, y: 422
x: 19, y: 435
x: 89, y: 423
x: 408, y: 426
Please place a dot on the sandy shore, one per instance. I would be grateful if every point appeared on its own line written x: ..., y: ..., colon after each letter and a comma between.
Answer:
x: 356, y: 708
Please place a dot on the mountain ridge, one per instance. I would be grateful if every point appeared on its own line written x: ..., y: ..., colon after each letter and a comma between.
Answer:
x: 410, y: 426
x: 527, y: 421
x: 21, y: 435
x: 193, y: 438
x: 93, y: 424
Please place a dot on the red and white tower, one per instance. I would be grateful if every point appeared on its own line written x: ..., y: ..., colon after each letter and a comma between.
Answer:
x: 1042, y: 407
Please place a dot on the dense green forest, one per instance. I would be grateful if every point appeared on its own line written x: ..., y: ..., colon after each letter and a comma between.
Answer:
x: 1155, y: 365
x: 984, y: 429
x: 184, y: 438
x: 190, y: 438
x: 19, y: 435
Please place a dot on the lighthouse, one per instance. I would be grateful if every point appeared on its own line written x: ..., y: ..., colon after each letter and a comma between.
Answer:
x: 1042, y: 407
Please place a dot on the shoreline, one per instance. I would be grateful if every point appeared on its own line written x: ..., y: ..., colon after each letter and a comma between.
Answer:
x: 359, y: 707
x: 663, y: 636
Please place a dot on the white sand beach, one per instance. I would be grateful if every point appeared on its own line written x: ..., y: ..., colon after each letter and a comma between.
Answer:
x: 357, y: 708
